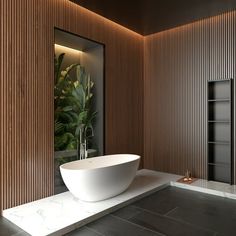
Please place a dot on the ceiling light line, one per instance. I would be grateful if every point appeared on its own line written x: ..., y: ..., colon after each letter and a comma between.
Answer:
x: 106, y: 19
x: 67, y: 48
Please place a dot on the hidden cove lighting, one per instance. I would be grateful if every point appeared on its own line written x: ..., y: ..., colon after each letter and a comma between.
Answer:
x: 67, y: 48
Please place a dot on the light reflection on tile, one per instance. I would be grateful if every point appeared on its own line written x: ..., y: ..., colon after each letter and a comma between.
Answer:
x: 210, y: 187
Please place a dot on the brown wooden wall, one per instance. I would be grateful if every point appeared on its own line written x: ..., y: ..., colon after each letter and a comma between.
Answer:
x: 26, y: 91
x: 178, y: 63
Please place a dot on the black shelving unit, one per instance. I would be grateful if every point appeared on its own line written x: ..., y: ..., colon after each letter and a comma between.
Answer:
x: 220, y: 130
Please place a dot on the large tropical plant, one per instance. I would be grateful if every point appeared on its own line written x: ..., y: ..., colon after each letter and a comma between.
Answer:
x: 72, y: 104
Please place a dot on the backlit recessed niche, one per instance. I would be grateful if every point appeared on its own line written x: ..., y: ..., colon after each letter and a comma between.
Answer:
x: 85, y: 57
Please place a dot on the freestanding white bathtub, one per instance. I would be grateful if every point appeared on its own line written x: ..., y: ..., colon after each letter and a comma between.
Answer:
x: 99, y: 178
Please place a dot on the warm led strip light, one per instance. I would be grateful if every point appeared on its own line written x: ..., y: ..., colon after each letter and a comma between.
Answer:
x: 67, y: 48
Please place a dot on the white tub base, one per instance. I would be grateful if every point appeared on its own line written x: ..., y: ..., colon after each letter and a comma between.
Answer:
x: 99, y: 178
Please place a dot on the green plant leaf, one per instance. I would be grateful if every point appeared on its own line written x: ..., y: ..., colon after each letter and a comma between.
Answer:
x: 57, y: 68
x: 67, y: 108
x: 79, y: 94
x: 83, y: 117
x: 77, y: 131
x: 72, y: 104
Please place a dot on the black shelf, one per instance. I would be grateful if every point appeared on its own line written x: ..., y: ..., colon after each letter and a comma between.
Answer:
x: 219, y: 100
x: 227, y: 165
x: 220, y: 130
x: 219, y: 121
x: 219, y: 80
x: 219, y: 142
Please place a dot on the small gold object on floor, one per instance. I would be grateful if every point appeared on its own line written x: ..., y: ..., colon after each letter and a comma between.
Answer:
x: 187, y: 179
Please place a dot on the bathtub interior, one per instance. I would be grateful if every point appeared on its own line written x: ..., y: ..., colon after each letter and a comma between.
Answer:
x: 100, y: 162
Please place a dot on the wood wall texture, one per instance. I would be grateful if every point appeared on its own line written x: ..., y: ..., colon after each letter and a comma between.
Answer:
x: 26, y: 91
x: 178, y: 63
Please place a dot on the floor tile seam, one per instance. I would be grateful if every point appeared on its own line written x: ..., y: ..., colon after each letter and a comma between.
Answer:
x: 174, y: 219
x: 93, y: 230
x: 149, y: 211
x: 127, y: 218
x: 163, y: 186
x: 137, y: 225
x: 190, y: 224
x: 169, y: 212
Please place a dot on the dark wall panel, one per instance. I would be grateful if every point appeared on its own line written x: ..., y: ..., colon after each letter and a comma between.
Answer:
x: 178, y: 63
x: 26, y: 91
x: 152, y: 16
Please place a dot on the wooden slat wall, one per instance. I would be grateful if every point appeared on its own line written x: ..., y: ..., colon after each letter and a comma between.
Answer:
x: 26, y: 91
x: 178, y: 63
x: 1, y: 102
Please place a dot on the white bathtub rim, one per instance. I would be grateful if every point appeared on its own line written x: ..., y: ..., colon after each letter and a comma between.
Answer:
x: 135, y: 157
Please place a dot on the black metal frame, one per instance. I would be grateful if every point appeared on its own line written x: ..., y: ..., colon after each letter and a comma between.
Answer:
x: 104, y: 80
x: 231, y: 100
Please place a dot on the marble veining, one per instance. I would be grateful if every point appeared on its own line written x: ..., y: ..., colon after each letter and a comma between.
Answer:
x: 63, y: 213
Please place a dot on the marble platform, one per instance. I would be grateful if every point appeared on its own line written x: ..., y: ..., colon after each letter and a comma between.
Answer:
x: 210, y: 187
x: 63, y: 213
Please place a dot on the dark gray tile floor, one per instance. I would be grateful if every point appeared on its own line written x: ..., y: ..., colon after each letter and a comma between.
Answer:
x: 9, y: 229
x: 171, y: 211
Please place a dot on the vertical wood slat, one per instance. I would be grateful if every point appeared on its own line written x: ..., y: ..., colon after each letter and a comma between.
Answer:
x: 178, y: 63
x: 1, y: 104
x: 27, y: 96
x: 175, y: 126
